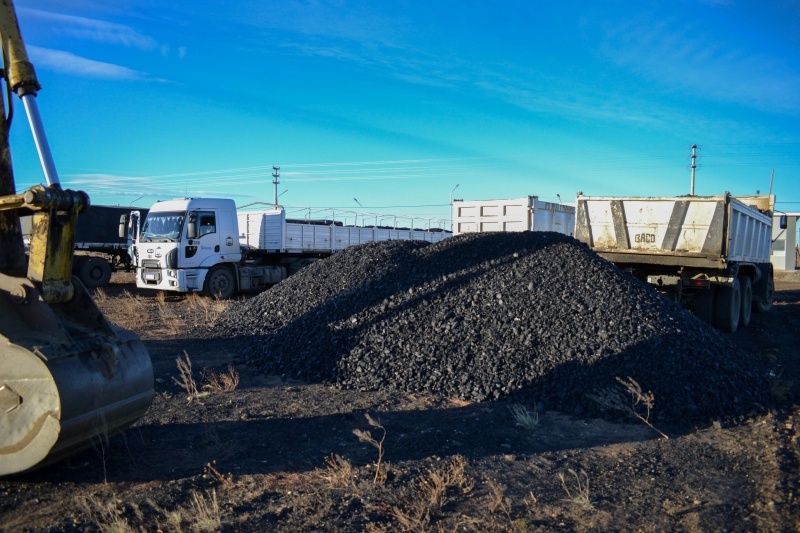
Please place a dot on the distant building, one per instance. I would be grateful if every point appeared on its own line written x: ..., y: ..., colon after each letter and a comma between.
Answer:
x: 784, y: 246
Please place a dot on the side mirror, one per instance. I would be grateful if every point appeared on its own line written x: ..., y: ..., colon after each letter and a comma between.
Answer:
x: 123, y: 226
x: 191, y: 226
x: 783, y: 222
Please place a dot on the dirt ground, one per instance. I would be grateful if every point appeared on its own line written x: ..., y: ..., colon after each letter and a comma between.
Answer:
x: 275, y: 455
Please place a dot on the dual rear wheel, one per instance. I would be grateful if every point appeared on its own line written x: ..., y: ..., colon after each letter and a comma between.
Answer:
x: 727, y: 307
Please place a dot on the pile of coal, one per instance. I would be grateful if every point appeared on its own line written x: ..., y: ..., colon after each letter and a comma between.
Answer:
x: 531, y: 317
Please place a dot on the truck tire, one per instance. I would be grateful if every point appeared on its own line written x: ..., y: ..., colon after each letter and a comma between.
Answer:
x: 765, y: 304
x: 746, y: 308
x: 727, y: 306
x: 220, y: 283
x: 93, y: 272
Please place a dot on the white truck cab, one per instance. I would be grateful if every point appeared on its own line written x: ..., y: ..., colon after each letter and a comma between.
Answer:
x: 184, y: 240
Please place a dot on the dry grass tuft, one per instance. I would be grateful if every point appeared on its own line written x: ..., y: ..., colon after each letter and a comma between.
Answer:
x: 431, y: 493
x: 220, y: 383
x: 579, y: 495
x: 339, y: 472
x: 186, y: 381
x: 206, y: 513
x: 366, y: 436
x: 614, y: 400
x: 210, y: 472
x: 524, y: 418
x: 204, y: 310
x: 106, y: 516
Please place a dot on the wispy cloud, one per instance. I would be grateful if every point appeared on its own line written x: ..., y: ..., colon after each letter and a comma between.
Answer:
x: 688, y: 59
x: 69, y: 63
x: 94, y: 30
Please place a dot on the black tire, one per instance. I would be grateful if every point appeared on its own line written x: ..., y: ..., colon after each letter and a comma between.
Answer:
x: 220, y: 283
x: 704, y: 305
x: 745, y: 310
x: 762, y: 305
x: 727, y: 306
x: 93, y: 272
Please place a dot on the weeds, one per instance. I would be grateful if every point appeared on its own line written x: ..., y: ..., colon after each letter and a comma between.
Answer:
x: 579, y: 495
x: 135, y: 311
x: 107, y: 517
x: 339, y: 472
x: 498, y: 500
x: 186, y: 381
x: 524, y: 418
x: 206, y: 511
x: 220, y: 383
x: 638, y: 397
x: 205, y: 310
x: 612, y: 399
x: 169, y: 317
x: 431, y: 493
x: 210, y: 472
x: 366, y: 436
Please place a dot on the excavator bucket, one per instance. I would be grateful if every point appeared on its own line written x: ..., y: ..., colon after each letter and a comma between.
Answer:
x: 68, y: 378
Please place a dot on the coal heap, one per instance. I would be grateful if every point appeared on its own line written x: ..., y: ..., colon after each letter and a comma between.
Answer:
x: 534, y: 317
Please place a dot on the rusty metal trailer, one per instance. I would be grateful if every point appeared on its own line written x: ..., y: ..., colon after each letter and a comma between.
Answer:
x: 710, y: 253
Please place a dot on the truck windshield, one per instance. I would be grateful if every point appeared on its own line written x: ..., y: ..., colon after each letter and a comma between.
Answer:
x: 163, y: 227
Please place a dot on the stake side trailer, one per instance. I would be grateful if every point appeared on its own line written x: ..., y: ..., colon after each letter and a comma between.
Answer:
x: 710, y: 253
x: 204, y: 244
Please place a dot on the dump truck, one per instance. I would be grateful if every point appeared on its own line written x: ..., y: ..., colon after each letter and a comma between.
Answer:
x: 516, y: 214
x: 101, y: 248
x: 709, y: 253
x: 68, y: 377
x: 206, y: 245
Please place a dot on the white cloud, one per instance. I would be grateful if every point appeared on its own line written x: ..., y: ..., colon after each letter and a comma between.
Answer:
x: 70, y: 63
x: 692, y: 60
x: 94, y: 30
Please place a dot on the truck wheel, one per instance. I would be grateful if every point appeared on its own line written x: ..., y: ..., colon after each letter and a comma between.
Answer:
x: 704, y: 305
x: 728, y: 303
x: 220, y: 283
x: 765, y: 304
x: 747, y: 301
x: 94, y: 272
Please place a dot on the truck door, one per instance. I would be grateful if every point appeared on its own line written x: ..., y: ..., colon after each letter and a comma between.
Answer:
x: 197, y: 251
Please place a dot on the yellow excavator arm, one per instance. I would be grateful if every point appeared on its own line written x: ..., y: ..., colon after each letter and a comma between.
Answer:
x: 67, y: 376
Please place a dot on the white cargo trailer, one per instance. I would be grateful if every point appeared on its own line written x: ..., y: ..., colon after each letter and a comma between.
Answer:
x: 711, y: 253
x: 203, y: 244
x: 516, y: 214
x: 270, y: 231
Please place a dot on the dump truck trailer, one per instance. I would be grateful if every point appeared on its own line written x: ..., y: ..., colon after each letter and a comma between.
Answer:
x: 204, y: 244
x: 710, y: 253
x: 99, y: 245
x: 516, y: 214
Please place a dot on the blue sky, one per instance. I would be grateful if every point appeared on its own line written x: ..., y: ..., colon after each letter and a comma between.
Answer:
x: 394, y: 104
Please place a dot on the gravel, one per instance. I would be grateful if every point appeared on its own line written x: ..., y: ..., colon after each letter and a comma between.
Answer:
x: 535, y: 318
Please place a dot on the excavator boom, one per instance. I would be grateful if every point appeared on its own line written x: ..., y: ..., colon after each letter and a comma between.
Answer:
x: 68, y: 378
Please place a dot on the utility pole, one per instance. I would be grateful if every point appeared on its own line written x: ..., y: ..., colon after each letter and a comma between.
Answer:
x: 275, y: 182
x: 694, y: 166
